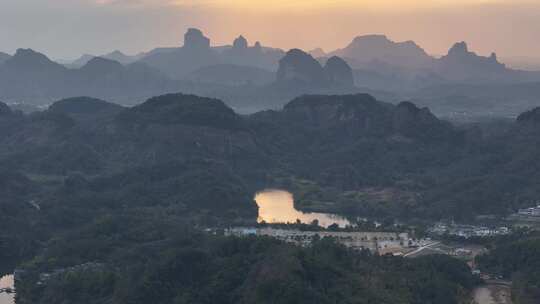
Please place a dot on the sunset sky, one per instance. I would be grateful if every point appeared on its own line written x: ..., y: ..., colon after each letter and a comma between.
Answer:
x: 68, y: 28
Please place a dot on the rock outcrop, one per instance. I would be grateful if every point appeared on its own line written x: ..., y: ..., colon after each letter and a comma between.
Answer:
x: 461, y: 64
x: 338, y: 72
x: 240, y: 44
x: 366, y: 49
x: 195, y: 40
x: 299, y: 67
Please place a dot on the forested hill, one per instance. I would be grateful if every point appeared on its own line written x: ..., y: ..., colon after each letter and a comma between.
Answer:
x: 133, y: 260
x: 349, y: 144
x: 518, y: 260
x: 118, y: 196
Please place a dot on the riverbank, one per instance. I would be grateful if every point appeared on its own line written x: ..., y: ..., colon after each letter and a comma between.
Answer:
x: 492, y: 293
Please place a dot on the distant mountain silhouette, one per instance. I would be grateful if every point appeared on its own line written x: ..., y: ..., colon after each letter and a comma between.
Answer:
x: 298, y: 67
x: 257, y: 56
x: 338, y: 72
x: 31, y: 75
x: 115, y: 55
x: 122, y: 58
x: 461, y: 64
x: 4, y: 57
x: 196, y: 53
x: 79, y: 62
x: 378, y: 48
x: 230, y: 74
x: 100, y: 67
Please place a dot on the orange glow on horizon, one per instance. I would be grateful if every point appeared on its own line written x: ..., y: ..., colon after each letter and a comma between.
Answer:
x: 303, y: 5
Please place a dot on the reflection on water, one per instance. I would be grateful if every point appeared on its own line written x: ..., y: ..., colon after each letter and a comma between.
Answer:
x: 277, y: 206
x: 7, y: 282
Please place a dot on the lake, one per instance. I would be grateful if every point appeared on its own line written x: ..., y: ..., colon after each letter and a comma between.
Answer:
x: 7, y: 282
x: 277, y: 206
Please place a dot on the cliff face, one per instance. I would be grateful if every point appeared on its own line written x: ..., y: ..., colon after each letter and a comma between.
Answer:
x: 300, y: 67
x: 378, y: 48
x: 362, y: 114
x: 462, y: 64
x: 195, y: 40
x: 359, y: 112
x: 338, y: 72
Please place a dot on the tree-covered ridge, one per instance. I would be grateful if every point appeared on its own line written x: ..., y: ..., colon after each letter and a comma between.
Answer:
x: 142, y: 258
x: 517, y: 259
x: 109, y: 191
x: 365, y: 156
x: 183, y: 109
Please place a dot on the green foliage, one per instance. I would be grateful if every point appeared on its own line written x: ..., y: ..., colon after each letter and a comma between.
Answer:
x: 517, y: 259
x: 185, y: 266
x: 183, y: 109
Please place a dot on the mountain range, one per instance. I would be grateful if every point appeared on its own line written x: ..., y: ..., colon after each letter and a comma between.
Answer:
x: 254, y: 77
x: 29, y: 75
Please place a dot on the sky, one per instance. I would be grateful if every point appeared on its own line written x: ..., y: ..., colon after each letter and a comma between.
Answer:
x: 65, y: 29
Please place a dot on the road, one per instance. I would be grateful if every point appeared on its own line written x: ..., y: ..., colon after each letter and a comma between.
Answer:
x: 421, y: 248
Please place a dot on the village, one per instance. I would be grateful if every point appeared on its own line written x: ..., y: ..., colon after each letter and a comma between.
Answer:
x: 466, y: 231
x: 382, y: 243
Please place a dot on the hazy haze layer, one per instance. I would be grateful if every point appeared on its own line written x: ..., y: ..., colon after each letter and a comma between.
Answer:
x: 68, y: 28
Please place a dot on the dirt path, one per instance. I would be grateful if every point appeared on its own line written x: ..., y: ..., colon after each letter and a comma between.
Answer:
x: 492, y: 294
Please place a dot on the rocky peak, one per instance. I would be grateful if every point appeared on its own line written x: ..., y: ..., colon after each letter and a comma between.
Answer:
x: 195, y: 39
x: 101, y: 66
x: 257, y: 46
x: 240, y: 43
x: 338, y: 72
x: 459, y: 49
x: 463, y: 65
x: 29, y: 58
x: 298, y: 66
x: 377, y: 39
x: 378, y: 48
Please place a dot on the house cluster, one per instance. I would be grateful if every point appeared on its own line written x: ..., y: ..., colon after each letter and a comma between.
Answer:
x: 381, y: 242
x: 533, y: 211
x: 466, y: 231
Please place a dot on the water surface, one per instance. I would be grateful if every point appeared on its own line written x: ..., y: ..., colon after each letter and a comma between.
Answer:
x: 277, y: 206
